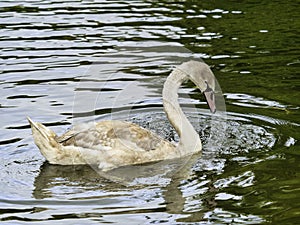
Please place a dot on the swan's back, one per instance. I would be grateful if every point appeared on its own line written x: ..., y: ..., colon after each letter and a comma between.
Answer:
x: 107, y: 134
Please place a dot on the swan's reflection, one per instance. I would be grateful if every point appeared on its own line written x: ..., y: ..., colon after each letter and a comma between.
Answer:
x: 52, y: 176
x: 84, y: 182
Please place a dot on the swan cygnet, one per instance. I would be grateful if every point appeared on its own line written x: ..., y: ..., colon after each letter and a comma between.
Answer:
x: 112, y: 144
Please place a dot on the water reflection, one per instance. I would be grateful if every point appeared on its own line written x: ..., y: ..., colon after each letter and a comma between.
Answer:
x: 183, y: 196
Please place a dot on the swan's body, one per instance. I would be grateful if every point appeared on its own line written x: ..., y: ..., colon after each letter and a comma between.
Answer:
x: 111, y: 144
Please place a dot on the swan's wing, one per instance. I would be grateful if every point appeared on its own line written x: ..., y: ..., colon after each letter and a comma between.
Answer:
x: 85, y: 137
x: 136, y: 136
x: 106, y: 135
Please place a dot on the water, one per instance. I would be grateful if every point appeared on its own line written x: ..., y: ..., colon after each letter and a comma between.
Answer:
x: 57, y: 56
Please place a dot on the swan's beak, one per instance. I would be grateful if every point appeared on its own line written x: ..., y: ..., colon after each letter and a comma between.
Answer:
x: 210, y: 98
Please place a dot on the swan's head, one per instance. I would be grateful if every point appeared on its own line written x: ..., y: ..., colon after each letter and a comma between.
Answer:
x: 201, y: 75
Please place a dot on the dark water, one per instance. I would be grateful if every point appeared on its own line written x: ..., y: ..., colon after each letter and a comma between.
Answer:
x: 56, y: 57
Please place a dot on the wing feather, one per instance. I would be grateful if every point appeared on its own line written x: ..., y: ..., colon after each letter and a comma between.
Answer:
x: 108, y: 133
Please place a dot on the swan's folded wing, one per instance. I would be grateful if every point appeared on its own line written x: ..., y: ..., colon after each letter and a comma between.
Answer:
x: 144, y: 139
x: 86, y: 137
x: 130, y: 135
x: 109, y: 133
x: 67, y: 138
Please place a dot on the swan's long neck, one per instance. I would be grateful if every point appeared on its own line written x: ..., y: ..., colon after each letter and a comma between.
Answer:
x: 189, y: 138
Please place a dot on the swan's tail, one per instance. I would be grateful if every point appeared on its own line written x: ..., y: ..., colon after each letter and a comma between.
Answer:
x: 45, y: 139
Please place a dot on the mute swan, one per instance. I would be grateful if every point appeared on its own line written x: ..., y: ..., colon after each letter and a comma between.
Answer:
x: 112, y: 144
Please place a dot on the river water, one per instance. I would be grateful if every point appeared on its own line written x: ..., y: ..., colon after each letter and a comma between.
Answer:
x: 76, y: 61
